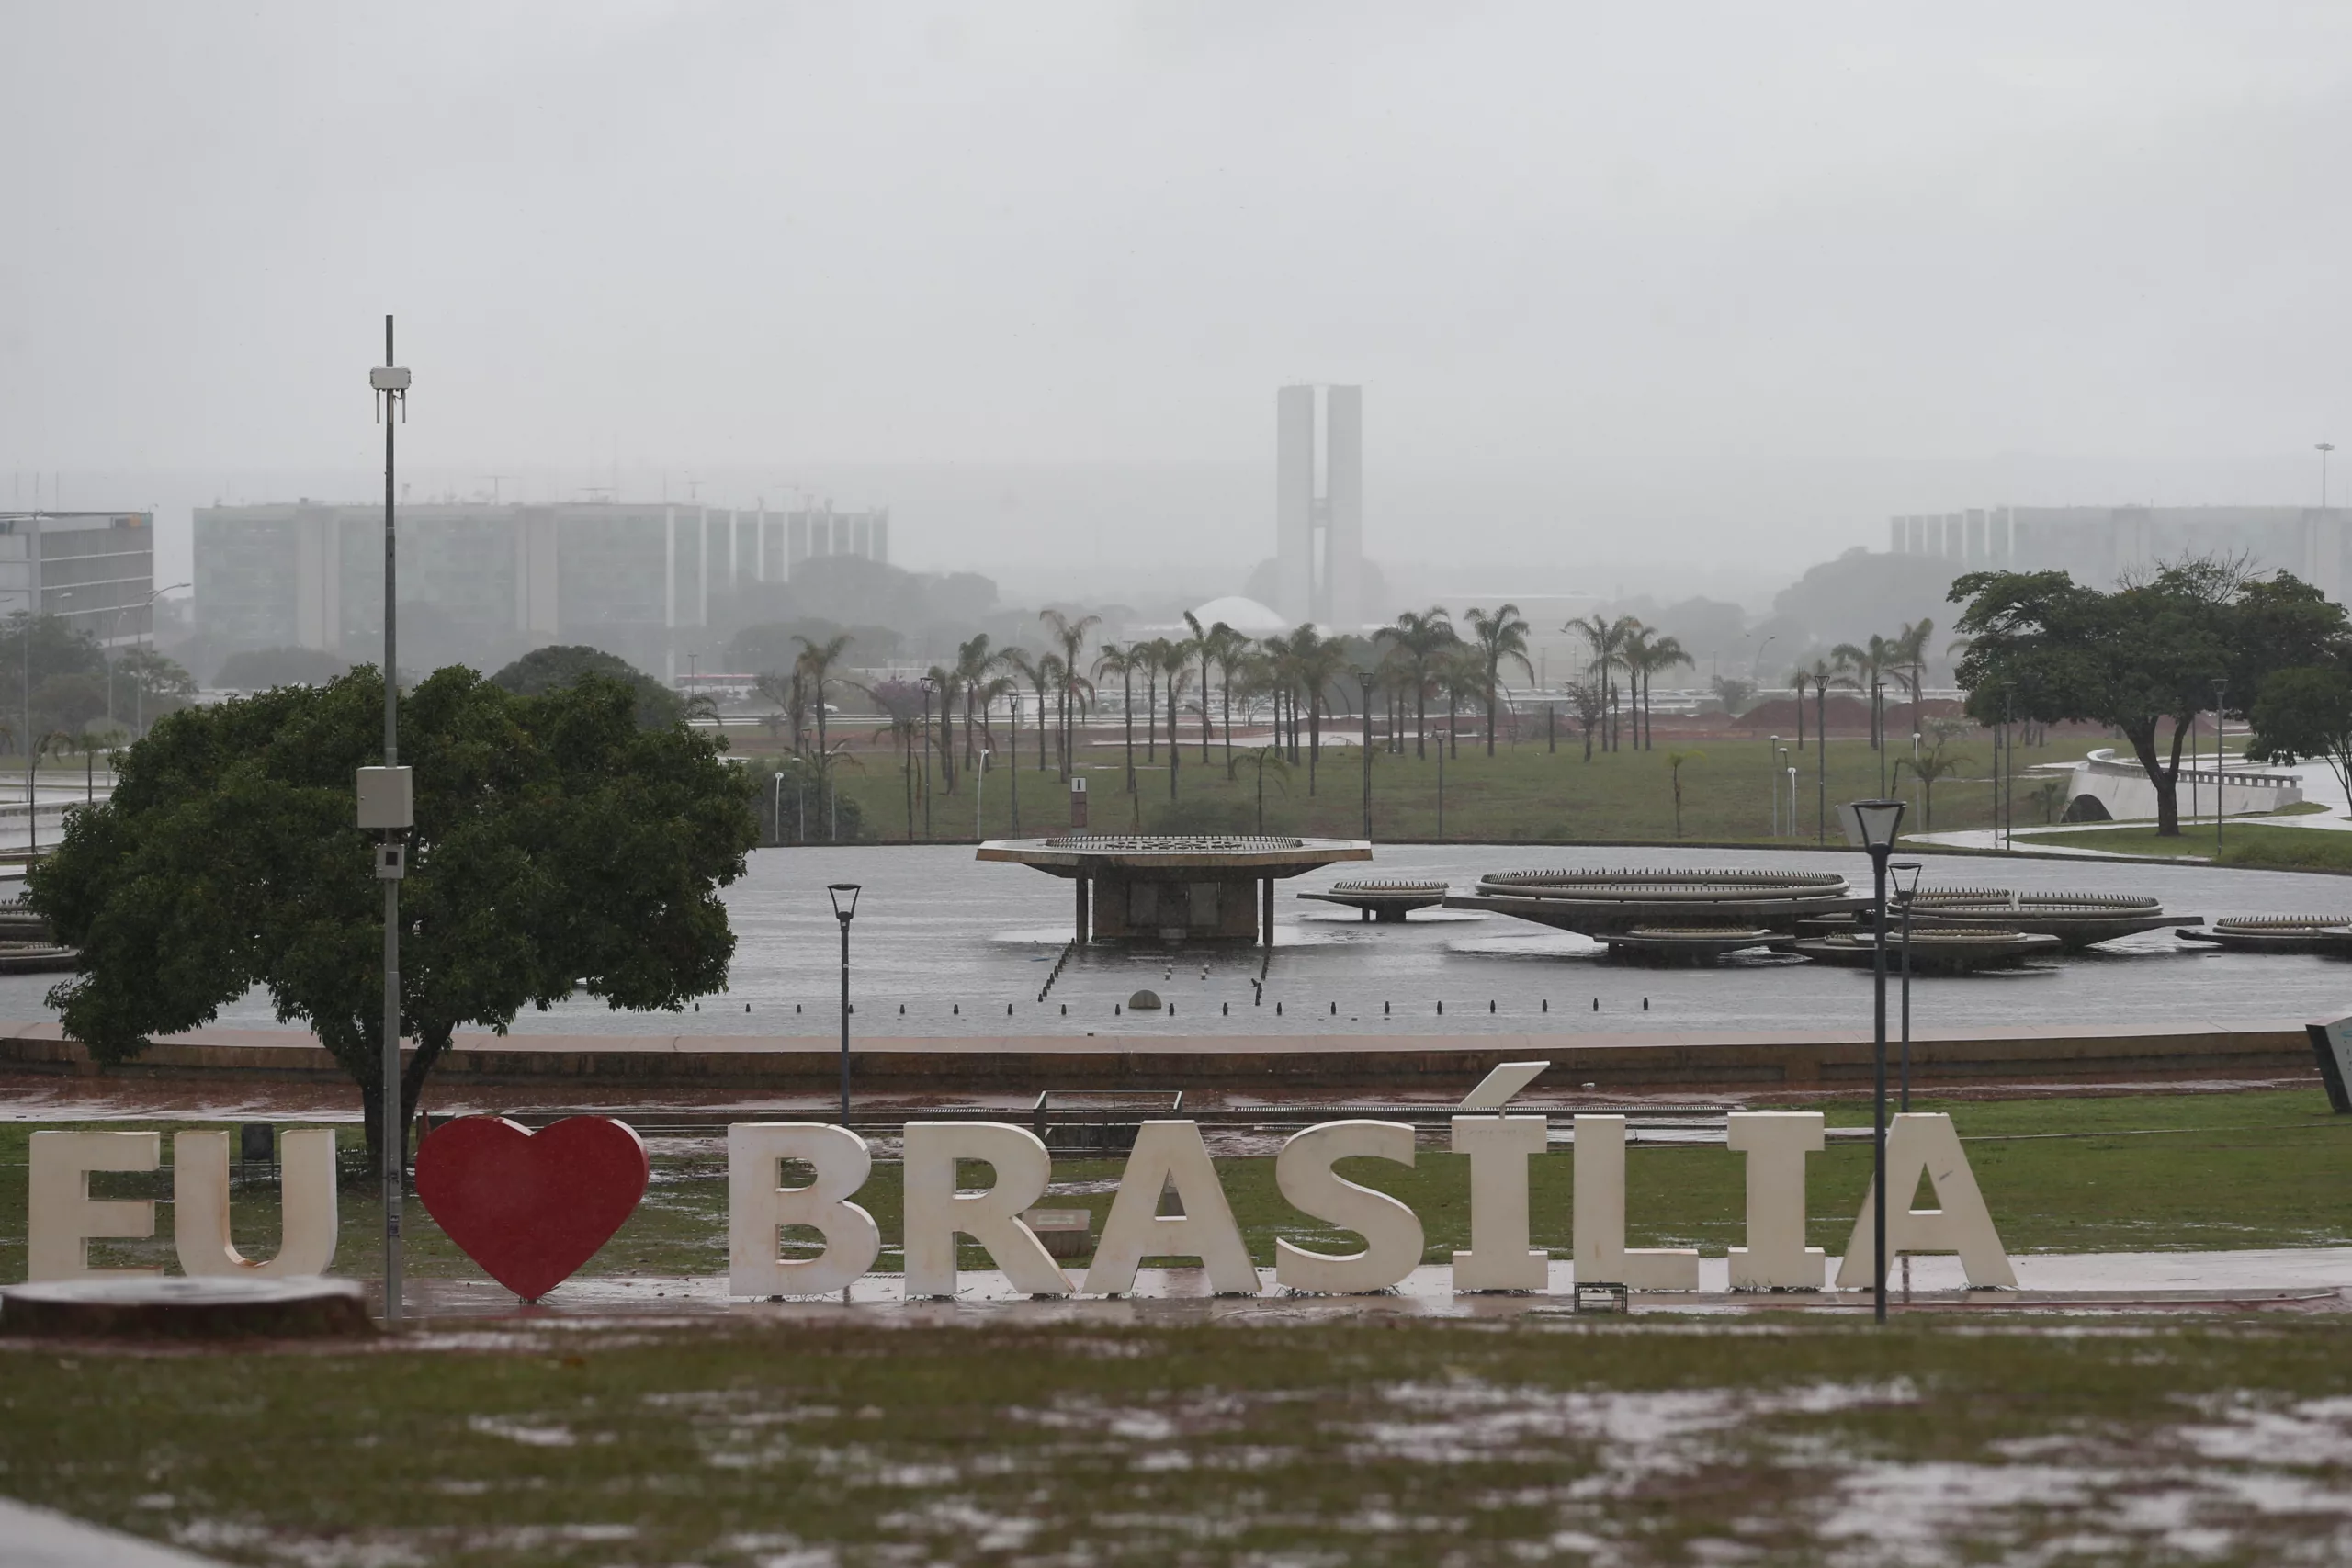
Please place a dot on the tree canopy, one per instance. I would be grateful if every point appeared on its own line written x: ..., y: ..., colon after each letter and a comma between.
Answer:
x: 559, y: 846
x: 2155, y: 651
x: 548, y: 668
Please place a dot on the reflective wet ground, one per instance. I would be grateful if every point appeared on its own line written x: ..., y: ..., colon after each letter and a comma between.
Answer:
x: 954, y: 943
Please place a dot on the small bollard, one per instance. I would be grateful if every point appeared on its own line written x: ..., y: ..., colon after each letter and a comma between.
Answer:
x: 903, y: 1010
x: 1064, y: 1010
x: 1547, y: 1004
x: 1596, y: 1004
x: 1490, y: 1004
x: 1646, y: 1004
x: 1008, y: 1010
x: 1224, y: 1009
x: 1384, y: 1009
x: 747, y: 1007
x: 1278, y: 1009
x: 1335, y: 1010
x: 960, y: 1009
x: 1440, y: 1009
x: 1115, y: 1009
x: 796, y: 1007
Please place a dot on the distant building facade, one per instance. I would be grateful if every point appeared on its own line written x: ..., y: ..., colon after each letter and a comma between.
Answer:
x: 626, y: 576
x: 2102, y: 544
x: 94, y: 570
x: 1321, y: 584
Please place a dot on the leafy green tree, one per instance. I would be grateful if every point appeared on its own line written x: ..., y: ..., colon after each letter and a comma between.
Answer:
x: 559, y: 846
x: 561, y: 665
x: 2151, y: 652
x: 2305, y: 713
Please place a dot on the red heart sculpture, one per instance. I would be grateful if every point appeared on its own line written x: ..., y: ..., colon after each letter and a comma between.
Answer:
x: 531, y: 1207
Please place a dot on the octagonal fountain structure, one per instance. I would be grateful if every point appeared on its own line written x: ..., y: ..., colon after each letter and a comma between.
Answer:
x: 1168, y: 887
x: 1668, y: 917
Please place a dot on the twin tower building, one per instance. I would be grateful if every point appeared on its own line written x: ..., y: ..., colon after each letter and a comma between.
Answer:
x: 1319, y: 506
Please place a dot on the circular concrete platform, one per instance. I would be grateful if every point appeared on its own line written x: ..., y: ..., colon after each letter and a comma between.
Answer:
x: 1382, y: 898
x: 157, y: 1307
x: 2329, y: 934
x: 1668, y: 947
x: 1957, y: 952
x: 1602, y: 903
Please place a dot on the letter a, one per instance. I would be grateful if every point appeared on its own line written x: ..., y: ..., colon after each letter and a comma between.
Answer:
x: 1927, y: 1143
x: 1165, y: 1152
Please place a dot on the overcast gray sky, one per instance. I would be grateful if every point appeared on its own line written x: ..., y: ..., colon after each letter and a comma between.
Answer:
x: 1770, y: 271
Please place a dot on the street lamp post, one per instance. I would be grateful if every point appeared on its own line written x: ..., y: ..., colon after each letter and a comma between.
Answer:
x: 1878, y: 820
x: 980, y: 792
x: 927, y: 684
x: 845, y: 913
x: 2221, y: 722
x: 390, y: 384
x: 1774, y: 746
x: 1907, y: 895
x: 1365, y: 679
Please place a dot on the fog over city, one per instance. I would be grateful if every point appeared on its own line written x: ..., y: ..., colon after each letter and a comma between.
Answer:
x: 1642, y: 302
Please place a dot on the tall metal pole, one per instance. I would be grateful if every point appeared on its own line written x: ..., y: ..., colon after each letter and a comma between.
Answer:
x: 2221, y: 722
x: 844, y: 919
x: 393, y: 1153
x: 1878, y: 1119
x: 1366, y: 682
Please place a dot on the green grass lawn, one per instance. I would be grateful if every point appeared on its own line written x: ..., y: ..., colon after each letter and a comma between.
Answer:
x: 799, y: 1442
x: 2243, y: 843
x: 1521, y: 792
x: 2131, y: 1172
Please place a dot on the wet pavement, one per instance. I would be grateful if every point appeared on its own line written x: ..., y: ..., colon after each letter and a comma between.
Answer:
x: 2306, y: 1280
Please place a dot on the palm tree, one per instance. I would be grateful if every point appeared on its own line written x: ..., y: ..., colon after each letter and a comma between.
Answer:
x: 1419, y: 634
x: 1045, y: 677
x: 973, y: 664
x: 1928, y: 769
x: 1071, y: 635
x: 789, y: 694
x: 1868, y: 662
x: 1605, y: 640
x: 1909, y: 650
x: 1268, y: 755
x: 1497, y: 637
x: 1461, y: 672
x: 1674, y: 760
x: 815, y: 665
x: 1232, y: 655
x: 1321, y: 661
x: 1210, y: 644
x: 1123, y: 662
x: 944, y: 683
x: 1646, y: 655
x: 1176, y: 663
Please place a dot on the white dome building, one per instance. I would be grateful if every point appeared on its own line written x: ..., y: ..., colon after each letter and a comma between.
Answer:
x: 1245, y: 616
